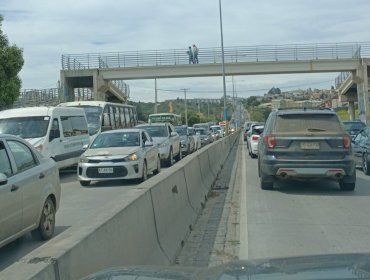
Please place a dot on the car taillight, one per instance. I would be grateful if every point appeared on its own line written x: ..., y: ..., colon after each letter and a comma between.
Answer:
x: 270, y: 141
x: 346, y: 142
x: 255, y: 137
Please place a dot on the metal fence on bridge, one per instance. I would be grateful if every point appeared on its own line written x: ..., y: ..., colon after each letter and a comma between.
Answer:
x: 291, y: 52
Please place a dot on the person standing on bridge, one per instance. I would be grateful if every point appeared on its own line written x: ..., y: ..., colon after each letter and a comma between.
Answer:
x: 195, y: 54
x: 190, y: 54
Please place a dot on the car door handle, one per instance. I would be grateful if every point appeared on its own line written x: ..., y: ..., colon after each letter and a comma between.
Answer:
x: 42, y: 175
x: 14, y: 188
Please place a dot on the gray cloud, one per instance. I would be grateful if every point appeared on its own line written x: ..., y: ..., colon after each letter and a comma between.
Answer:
x: 47, y: 29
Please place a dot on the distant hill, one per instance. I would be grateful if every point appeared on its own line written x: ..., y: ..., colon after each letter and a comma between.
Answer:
x: 197, y: 111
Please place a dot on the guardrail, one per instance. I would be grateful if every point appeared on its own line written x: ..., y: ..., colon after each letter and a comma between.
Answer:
x: 341, y: 78
x: 290, y: 52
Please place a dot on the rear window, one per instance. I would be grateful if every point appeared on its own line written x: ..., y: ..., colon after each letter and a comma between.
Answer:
x: 308, y: 123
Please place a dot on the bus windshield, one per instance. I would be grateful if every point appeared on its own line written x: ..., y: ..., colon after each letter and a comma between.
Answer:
x: 93, y: 114
x: 25, y: 127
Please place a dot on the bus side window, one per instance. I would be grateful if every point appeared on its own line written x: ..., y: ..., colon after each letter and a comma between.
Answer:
x: 122, y: 114
x: 54, y: 131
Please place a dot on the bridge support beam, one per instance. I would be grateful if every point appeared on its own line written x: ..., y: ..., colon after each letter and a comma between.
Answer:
x: 351, y: 110
x: 99, y: 86
x: 363, y: 92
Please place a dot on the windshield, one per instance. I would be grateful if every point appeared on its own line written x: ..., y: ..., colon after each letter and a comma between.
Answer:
x: 181, y: 131
x: 118, y: 139
x: 93, y: 116
x: 353, y: 126
x: 156, y: 131
x: 25, y: 127
x: 200, y: 131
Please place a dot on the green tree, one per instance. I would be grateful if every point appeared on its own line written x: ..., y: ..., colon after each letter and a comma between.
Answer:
x: 11, y: 63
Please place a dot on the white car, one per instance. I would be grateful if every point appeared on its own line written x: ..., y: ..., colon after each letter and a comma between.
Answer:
x: 253, y: 140
x: 119, y: 154
x: 29, y: 191
x: 164, y: 135
x: 197, y: 140
x: 219, y: 128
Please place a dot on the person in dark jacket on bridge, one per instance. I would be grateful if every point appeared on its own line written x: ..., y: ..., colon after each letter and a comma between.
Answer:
x: 190, y: 54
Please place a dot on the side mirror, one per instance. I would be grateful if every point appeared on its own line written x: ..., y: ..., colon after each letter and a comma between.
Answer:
x: 148, y: 144
x: 85, y: 147
x: 173, y: 134
x: 3, y: 179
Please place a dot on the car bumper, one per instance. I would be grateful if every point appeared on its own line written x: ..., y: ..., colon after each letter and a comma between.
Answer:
x: 121, y: 170
x: 164, y: 152
x: 254, y: 148
x: 289, y: 169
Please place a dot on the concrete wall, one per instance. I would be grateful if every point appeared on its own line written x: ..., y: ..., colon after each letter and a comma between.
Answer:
x: 150, y: 229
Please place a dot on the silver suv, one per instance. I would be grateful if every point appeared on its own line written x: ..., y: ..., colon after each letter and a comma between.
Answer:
x: 305, y: 144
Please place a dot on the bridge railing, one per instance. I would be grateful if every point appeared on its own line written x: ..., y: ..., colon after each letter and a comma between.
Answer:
x: 266, y: 53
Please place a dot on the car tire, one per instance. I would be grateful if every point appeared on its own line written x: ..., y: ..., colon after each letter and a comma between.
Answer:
x: 85, y: 183
x: 158, y: 166
x: 348, y: 183
x: 365, y: 164
x: 170, y: 158
x: 253, y: 155
x: 144, y: 175
x: 179, y: 156
x: 46, y: 226
x: 265, y: 183
x: 344, y: 186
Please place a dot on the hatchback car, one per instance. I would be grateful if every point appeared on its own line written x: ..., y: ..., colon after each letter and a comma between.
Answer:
x: 119, y: 154
x: 29, y: 191
x: 361, y: 150
x: 196, y: 138
x: 305, y: 144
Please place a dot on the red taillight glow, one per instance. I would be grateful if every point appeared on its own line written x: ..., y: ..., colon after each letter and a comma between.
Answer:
x: 255, y: 137
x: 270, y: 141
x: 346, y: 142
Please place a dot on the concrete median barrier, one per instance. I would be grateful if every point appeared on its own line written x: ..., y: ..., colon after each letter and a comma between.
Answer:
x: 148, y: 228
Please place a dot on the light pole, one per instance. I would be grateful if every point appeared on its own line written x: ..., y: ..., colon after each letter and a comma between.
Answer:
x: 155, y: 97
x: 223, y: 62
x: 186, y: 106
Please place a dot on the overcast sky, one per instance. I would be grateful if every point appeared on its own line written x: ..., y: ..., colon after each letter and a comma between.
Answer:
x: 47, y: 29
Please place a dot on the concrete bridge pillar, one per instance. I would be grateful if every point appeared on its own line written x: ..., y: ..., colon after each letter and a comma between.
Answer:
x: 99, y: 86
x: 362, y: 92
x: 351, y: 110
x: 67, y: 88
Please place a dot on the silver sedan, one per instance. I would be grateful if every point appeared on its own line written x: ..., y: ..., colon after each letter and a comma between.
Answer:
x: 119, y: 154
x: 29, y: 191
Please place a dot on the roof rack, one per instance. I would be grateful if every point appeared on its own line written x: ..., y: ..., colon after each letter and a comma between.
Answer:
x: 305, y: 108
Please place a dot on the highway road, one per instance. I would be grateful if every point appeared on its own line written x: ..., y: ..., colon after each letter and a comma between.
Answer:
x: 300, y: 218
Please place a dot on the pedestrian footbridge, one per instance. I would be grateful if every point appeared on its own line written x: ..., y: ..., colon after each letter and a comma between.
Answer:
x: 95, y: 70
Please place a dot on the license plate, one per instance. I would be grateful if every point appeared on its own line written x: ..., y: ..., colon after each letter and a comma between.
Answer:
x: 105, y: 170
x: 310, y: 145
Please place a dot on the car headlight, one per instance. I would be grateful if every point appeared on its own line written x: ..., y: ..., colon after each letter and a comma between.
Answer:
x: 83, y: 160
x: 132, y: 157
x: 39, y: 148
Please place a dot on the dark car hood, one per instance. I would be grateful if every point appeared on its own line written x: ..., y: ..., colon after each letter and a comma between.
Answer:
x: 342, y: 266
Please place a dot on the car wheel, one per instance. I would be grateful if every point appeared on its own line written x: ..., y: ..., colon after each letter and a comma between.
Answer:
x: 170, y: 158
x: 85, y: 183
x: 144, y: 175
x: 348, y: 183
x: 46, y: 226
x: 253, y: 155
x: 158, y: 166
x: 365, y: 165
x: 344, y: 186
x: 179, y: 156
x: 266, y: 182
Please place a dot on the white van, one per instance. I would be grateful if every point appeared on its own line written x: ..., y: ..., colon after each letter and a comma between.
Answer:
x: 56, y: 132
